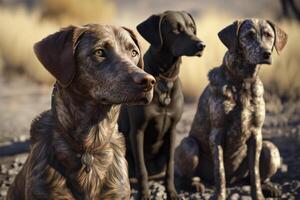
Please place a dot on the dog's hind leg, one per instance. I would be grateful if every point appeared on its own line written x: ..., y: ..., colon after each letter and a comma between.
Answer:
x: 270, y: 162
x: 186, y: 164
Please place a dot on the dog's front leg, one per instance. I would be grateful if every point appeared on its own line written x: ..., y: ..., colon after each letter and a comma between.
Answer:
x: 255, y: 145
x: 137, y: 144
x: 171, y: 191
x: 215, y: 139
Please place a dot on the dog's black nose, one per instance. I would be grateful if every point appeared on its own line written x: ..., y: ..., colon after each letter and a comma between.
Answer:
x: 267, y: 55
x: 200, y: 46
x: 144, y: 79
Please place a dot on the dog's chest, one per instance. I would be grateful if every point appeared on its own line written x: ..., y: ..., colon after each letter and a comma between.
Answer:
x: 244, y: 110
x: 161, y: 117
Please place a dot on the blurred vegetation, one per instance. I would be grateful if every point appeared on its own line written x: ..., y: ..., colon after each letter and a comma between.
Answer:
x: 21, y: 29
x: 78, y: 11
x: 25, y: 27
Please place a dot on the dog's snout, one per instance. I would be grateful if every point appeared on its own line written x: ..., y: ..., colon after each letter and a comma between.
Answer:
x: 144, y: 79
x: 267, y: 55
x: 200, y: 46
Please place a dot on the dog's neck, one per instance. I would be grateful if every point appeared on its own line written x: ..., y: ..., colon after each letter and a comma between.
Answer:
x: 162, y: 62
x: 165, y: 68
x: 86, y: 125
x: 224, y: 80
x: 234, y: 60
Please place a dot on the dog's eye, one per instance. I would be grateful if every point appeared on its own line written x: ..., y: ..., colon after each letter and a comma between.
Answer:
x: 194, y: 30
x: 178, y: 29
x: 250, y: 35
x: 134, y: 53
x: 99, y: 53
x: 267, y: 34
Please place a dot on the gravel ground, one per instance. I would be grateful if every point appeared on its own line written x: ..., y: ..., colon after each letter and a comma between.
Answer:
x: 19, y: 105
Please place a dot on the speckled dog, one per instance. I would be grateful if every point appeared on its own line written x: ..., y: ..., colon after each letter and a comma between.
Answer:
x: 76, y: 149
x: 225, y: 141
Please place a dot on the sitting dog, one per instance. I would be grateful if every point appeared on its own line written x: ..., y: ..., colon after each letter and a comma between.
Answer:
x: 225, y: 141
x: 76, y: 149
x: 149, y: 130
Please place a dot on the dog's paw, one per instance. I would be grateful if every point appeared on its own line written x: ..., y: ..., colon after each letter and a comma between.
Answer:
x: 258, y: 197
x: 172, y: 195
x: 197, y: 185
x: 217, y: 196
x: 270, y: 190
x: 144, y: 196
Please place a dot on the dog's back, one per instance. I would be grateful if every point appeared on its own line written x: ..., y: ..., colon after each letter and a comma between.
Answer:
x: 40, y: 132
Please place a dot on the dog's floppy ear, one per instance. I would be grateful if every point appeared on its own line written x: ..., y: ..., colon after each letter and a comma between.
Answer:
x: 133, y: 36
x: 280, y: 37
x: 192, y: 20
x: 150, y: 29
x: 56, y: 53
x: 229, y: 35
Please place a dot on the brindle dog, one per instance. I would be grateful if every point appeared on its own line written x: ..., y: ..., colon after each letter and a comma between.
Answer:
x: 225, y: 141
x: 76, y: 149
x: 149, y: 130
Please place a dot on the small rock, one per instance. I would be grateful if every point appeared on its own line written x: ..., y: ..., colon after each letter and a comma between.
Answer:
x: 284, y: 168
x: 246, y: 189
x: 3, y: 193
x: 21, y: 138
x: 246, y: 198
x: 235, y: 196
x: 12, y: 172
x: 21, y: 159
x: 3, y: 169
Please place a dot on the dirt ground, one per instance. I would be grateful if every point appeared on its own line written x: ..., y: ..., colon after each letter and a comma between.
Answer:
x: 21, y: 100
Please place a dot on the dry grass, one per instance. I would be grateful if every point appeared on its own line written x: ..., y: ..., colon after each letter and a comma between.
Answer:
x: 77, y: 11
x: 22, y: 30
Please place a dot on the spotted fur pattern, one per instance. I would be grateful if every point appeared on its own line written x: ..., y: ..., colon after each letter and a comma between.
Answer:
x: 225, y: 141
x: 83, y: 121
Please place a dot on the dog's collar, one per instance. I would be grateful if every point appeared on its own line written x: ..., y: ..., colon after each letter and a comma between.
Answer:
x: 163, y: 88
x: 165, y: 84
x: 172, y: 78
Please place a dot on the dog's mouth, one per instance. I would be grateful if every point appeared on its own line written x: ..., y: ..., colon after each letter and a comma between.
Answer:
x: 141, y: 99
x: 266, y: 61
x: 199, y: 53
x: 146, y: 97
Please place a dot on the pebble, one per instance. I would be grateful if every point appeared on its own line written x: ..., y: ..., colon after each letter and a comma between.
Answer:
x: 246, y: 198
x: 12, y: 172
x: 284, y: 168
x: 246, y: 189
x: 21, y: 138
x: 3, y: 169
x: 235, y: 196
x: 21, y: 159
x: 3, y: 193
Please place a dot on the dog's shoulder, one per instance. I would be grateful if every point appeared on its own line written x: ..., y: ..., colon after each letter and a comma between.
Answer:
x: 42, y: 126
x: 217, y: 81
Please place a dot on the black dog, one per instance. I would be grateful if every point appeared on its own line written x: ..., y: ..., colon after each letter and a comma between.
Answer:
x: 149, y: 130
